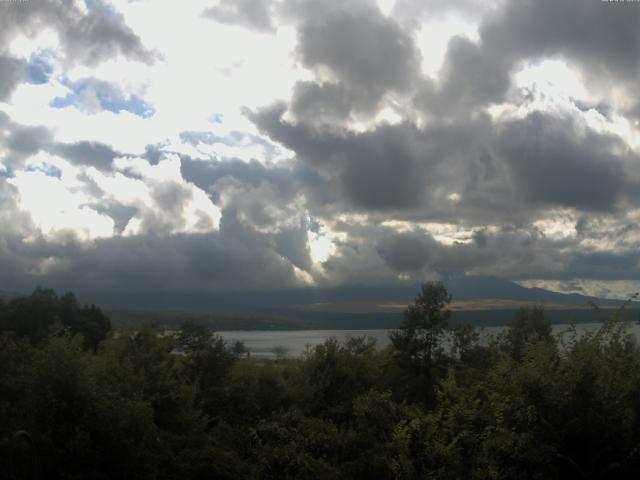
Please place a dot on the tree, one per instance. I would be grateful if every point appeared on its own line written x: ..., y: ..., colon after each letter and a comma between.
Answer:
x: 417, y: 343
x: 528, y: 325
x: 207, y: 362
x: 37, y: 316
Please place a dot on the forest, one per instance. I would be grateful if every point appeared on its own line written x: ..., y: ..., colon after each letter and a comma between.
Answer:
x: 82, y: 400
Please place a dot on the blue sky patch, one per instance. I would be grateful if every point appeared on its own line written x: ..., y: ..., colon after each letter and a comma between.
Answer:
x: 216, y: 118
x: 99, y: 6
x: 133, y: 104
x: 39, y: 69
x: 95, y: 95
x: 48, y: 169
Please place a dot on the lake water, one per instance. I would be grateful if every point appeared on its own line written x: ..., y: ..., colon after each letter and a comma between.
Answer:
x: 293, y: 343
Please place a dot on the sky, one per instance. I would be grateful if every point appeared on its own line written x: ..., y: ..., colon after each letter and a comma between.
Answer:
x: 203, y: 146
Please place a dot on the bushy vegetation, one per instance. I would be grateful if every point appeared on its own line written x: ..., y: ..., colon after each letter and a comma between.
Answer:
x: 79, y: 401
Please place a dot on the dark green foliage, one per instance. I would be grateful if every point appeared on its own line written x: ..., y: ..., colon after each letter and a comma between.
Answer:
x: 334, y: 374
x: 40, y: 314
x: 528, y: 326
x: 439, y: 403
x: 418, y: 341
x: 207, y: 362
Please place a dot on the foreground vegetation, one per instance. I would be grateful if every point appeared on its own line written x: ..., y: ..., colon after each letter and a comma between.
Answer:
x: 79, y: 401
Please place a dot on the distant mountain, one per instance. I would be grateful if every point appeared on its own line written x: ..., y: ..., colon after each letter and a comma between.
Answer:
x: 480, y: 300
x: 486, y: 287
x: 461, y: 288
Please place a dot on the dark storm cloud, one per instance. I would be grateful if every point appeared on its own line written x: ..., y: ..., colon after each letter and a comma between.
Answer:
x: 93, y: 154
x: 543, y: 160
x: 19, y: 142
x: 601, y: 35
x: 206, y: 174
x: 120, y: 214
x: 367, y: 52
x: 252, y: 14
x: 634, y: 113
x: 362, y: 48
x: 506, y: 252
x: 601, y: 38
x: 292, y: 243
x: 239, y: 257
x: 12, y: 71
x: 407, y: 252
x: 552, y: 163
x: 23, y: 141
x: 171, y: 197
x: 471, y: 77
x: 480, y: 238
x: 13, y: 221
x: 514, y: 252
x: 87, y: 38
x: 16, y: 225
x: 27, y: 140
x: 236, y: 257
x: 382, y: 169
x: 102, y: 34
x: 262, y: 205
x: 381, y: 253
x: 604, y: 265
x: 324, y: 103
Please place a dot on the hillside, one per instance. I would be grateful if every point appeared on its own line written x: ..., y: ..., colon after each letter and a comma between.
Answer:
x: 481, y: 300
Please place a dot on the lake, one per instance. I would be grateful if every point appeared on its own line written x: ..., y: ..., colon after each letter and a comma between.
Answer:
x: 293, y: 343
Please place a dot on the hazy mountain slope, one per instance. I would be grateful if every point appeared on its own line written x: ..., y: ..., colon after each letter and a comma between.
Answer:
x: 461, y: 288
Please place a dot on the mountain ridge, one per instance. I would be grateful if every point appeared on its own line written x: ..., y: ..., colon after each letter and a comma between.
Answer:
x: 460, y: 288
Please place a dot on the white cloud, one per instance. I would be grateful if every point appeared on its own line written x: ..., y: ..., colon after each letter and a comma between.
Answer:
x: 56, y: 208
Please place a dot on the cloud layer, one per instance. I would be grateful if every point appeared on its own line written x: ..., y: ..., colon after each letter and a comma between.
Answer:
x: 274, y: 144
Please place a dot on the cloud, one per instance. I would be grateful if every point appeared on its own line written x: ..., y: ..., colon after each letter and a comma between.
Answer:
x: 541, y: 161
x: 93, y: 154
x: 12, y: 71
x: 19, y: 142
x: 325, y: 103
x: 416, y: 255
x: 368, y: 53
x: 551, y: 162
x: 471, y: 77
x: 601, y: 36
x: 376, y: 170
x: 15, y: 222
x: 600, y: 42
x: 234, y: 258
x: 92, y: 95
x: 407, y: 252
x: 87, y: 36
x: 253, y: 14
x: 608, y: 265
x: 413, y: 12
x: 359, y: 169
